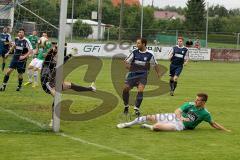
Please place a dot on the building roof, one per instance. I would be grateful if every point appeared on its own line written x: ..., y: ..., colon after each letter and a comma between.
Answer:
x: 165, y: 15
x: 127, y: 2
x: 87, y: 21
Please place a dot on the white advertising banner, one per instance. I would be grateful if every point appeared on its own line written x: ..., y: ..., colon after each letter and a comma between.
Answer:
x: 112, y: 49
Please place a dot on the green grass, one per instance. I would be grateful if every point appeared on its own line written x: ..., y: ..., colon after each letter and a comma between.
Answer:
x: 219, y: 80
x: 222, y: 45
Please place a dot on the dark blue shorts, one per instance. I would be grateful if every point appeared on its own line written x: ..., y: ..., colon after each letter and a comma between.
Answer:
x: 20, y: 66
x: 175, y: 70
x: 133, y: 79
x: 3, y: 51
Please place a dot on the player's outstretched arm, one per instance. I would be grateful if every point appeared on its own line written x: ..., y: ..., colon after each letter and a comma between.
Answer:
x: 218, y: 126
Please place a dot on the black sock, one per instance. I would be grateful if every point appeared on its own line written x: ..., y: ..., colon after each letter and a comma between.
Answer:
x: 52, y: 108
x: 171, y: 84
x: 139, y: 99
x: 3, y: 66
x: 6, y: 78
x: 20, y: 81
x: 175, y: 85
x: 125, y: 97
x: 80, y: 88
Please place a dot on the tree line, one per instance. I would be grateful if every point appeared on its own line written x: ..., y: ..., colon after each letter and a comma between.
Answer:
x: 220, y: 19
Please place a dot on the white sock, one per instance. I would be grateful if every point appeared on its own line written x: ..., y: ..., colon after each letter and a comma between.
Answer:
x: 35, y: 77
x: 138, y: 121
x: 148, y: 126
x: 30, y: 74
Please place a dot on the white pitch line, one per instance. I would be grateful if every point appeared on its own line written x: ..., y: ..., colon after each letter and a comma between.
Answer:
x: 24, y: 118
x: 10, y: 131
x: 68, y: 136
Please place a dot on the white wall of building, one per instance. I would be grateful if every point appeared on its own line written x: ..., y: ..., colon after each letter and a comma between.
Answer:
x: 93, y: 24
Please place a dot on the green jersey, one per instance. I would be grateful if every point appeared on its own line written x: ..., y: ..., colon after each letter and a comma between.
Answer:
x: 33, y: 40
x: 43, y: 51
x: 196, y: 115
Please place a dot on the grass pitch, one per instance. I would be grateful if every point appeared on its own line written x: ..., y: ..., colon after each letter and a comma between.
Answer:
x: 99, y: 139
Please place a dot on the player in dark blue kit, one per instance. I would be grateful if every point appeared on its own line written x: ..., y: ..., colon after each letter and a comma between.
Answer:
x: 5, y: 41
x: 22, y: 49
x: 179, y: 56
x: 138, y: 63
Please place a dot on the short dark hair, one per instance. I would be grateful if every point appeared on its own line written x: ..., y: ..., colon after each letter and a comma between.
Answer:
x: 204, y: 96
x: 143, y: 40
x: 21, y: 29
x: 181, y: 38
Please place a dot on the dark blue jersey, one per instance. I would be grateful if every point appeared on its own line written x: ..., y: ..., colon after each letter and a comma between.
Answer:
x: 179, y: 54
x: 140, y: 61
x: 22, y: 46
x: 4, y: 42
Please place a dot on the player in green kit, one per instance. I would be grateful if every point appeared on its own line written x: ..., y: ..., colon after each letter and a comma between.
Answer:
x: 188, y: 116
x: 36, y: 63
x: 33, y: 38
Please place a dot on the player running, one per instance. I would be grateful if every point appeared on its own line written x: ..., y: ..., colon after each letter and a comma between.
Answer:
x: 22, y: 49
x: 186, y: 117
x: 138, y: 63
x: 36, y: 63
x: 48, y: 75
x: 5, y: 43
x: 179, y: 56
x: 33, y: 38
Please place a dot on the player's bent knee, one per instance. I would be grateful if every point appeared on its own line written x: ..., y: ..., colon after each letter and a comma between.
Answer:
x: 36, y: 69
x: 126, y: 88
x: 9, y: 71
x: 175, y: 78
x: 66, y: 85
x: 151, y: 118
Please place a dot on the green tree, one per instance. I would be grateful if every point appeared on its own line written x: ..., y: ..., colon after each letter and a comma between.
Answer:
x: 81, y: 29
x: 195, y: 15
x: 234, y: 12
x: 132, y: 21
x: 231, y: 24
x: 216, y: 24
x: 176, y: 24
x: 160, y: 25
x: 218, y: 10
x: 47, y: 9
